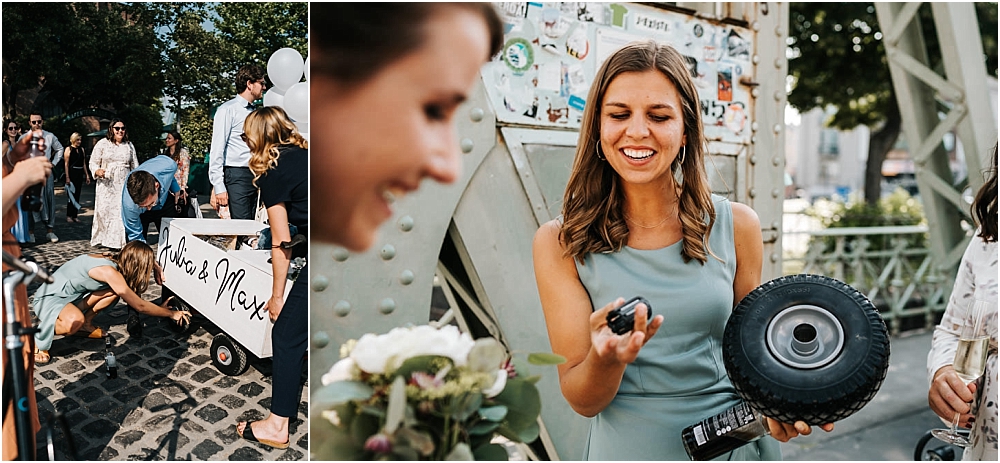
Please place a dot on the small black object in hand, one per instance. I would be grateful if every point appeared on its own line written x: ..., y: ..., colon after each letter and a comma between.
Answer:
x: 622, y: 319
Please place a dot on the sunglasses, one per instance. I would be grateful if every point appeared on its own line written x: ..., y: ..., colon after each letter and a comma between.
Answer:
x: 119, y: 129
x: 13, y: 127
x: 35, y: 122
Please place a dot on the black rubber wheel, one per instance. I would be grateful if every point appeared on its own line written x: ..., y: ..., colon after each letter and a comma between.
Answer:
x: 190, y: 327
x: 806, y: 348
x: 228, y: 356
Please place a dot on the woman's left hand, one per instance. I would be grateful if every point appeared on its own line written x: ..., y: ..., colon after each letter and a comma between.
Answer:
x: 274, y: 306
x: 784, y: 432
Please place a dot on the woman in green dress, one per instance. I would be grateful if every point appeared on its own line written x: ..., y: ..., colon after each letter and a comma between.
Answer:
x: 639, y: 219
x: 90, y: 283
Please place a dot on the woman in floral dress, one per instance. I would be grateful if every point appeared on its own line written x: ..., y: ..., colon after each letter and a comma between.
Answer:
x: 111, y: 161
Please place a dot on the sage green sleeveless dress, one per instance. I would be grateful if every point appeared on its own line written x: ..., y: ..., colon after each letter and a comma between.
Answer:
x: 678, y: 378
x: 71, y: 282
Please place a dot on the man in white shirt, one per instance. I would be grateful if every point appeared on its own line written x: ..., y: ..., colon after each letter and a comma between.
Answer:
x: 229, y: 156
x: 54, y: 153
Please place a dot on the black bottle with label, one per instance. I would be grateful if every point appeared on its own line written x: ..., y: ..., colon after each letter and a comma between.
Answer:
x: 724, y: 432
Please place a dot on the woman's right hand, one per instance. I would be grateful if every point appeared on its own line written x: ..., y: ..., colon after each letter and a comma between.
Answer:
x: 949, y: 395
x: 181, y: 317
x: 99, y: 173
x: 623, y: 348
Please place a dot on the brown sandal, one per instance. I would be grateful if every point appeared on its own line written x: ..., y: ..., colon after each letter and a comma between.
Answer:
x: 42, y: 357
x: 96, y: 333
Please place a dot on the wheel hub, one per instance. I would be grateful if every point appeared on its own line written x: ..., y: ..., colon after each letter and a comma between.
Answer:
x: 224, y: 356
x: 805, y: 337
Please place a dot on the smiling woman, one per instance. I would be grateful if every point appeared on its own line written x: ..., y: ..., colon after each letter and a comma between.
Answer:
x: 383, y: 102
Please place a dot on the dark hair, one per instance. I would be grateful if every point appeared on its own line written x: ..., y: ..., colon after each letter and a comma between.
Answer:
x: 111, y: 131
x: 984, y: 208
x: 35, y: 112
x: 176, y: 154
x: 140, y: 185
x: 358, y: 39
x: 7, y: 122
x: 247, y: 73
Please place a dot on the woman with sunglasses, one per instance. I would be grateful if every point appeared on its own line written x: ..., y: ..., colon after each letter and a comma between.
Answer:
x: 111, y: 161
x: 20, y: 229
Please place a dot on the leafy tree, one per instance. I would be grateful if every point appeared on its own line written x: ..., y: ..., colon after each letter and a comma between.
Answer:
x: 197, y: 131
x: 838, y: 60
x: 255, y: 30
x: 80, y: 54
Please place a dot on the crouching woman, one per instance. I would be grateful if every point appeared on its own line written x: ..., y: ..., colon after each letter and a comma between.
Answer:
x: 90, y: 283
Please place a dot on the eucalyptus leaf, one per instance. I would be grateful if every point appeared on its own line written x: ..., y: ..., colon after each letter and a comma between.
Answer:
x: 486, y: 356
x: 524, y: 404
x: 461, y: 452
x: 340, y: 392
x: 490, y: 452
x: 397, y: 405
x: 529, y: 433
x: 534, y: 379
x: 483, y: 428
x: 545, y: 358
x: 464, y: 406
x: 494, y: 413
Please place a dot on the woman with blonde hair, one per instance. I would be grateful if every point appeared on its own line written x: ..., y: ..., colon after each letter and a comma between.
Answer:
x: 639, y: 219
x: 111, y: 161
x: 76, y: 173
x: 89, y: 284
x: 279, y: 160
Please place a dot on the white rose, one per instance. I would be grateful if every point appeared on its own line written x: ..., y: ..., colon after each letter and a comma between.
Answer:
x: 383, y: 353
x: 340, y: 371
x: 497, y: 387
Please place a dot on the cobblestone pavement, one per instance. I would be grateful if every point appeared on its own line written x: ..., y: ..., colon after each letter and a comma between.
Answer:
x: 169, y: 402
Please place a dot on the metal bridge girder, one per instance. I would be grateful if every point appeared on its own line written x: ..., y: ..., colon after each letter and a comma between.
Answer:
x: 918, y: 89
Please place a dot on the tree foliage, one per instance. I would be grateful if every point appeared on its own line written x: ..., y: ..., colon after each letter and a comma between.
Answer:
x: 838, y: 59
x: 80, y: 54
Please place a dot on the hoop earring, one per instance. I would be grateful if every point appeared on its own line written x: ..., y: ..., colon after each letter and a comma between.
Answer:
x: 600, y: 155
x: 680, y: 161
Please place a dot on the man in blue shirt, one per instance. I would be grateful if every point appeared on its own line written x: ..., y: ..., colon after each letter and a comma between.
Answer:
x: 229, y: 156
x: 146, y: 200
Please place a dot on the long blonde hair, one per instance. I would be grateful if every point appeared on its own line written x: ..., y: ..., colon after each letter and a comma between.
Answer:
x: 593, y: 216
x: 135, y: 262
x: 266, y: 129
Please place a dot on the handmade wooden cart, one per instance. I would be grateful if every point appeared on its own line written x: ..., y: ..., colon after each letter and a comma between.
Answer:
x: 208, y: 267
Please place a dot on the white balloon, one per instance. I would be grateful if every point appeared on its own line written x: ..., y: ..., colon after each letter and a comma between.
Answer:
x: 274, y: 97
x: 305, y: 68
x: 297, y: 102
x: 284, y: 68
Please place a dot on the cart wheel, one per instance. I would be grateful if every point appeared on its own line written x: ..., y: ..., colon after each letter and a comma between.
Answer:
x: 806, y: 347
x: 228, y: 356
x: 190, y: 327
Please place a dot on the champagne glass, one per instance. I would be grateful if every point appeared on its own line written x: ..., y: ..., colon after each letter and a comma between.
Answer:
x: 970, y: 361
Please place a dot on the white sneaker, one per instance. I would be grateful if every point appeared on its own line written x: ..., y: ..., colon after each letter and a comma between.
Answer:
x: 52, y: 237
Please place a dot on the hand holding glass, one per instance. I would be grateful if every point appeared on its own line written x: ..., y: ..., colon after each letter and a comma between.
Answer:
x: 970, y: 361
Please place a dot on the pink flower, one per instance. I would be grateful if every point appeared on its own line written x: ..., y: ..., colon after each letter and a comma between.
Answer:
x: 509, y: 366
x: 378, y: 443
x: 425, y: 381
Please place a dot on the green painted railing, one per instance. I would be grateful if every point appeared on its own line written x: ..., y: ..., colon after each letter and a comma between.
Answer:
x: 901, y: 279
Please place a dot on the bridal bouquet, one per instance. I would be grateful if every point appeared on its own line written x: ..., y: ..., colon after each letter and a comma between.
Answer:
x: 424, y: 393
